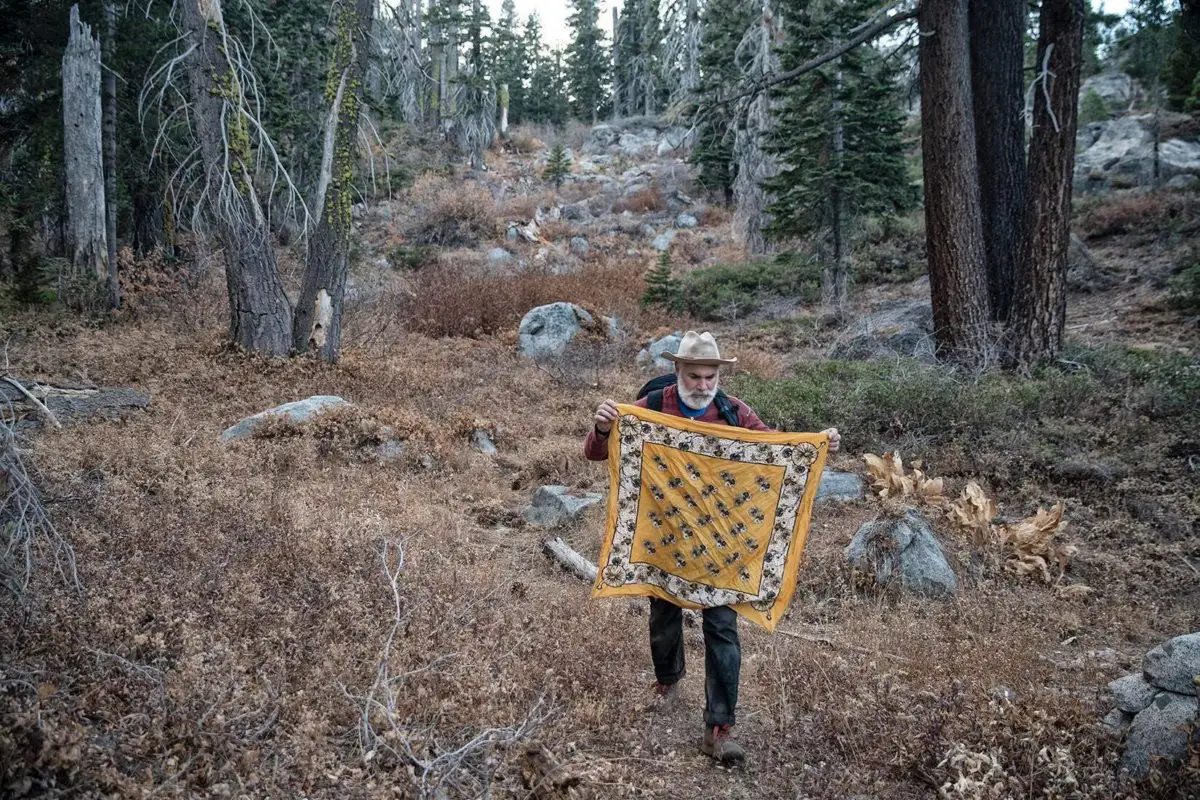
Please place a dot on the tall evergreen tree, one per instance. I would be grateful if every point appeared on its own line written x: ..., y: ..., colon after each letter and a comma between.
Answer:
x: 838, y: 140
x: 724, y: 23
x: 638, y: 72
x: 511, y: 60
x: 588, y: 61
x: 547, y: 96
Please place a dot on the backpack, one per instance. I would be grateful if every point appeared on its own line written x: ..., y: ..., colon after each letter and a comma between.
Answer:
x: 653, y: 392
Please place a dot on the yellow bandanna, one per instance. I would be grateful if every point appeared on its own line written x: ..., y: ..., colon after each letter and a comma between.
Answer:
x: 704, y: 515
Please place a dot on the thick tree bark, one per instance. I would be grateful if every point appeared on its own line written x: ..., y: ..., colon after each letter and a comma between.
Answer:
x: 84, y: 161
x: 997, y: 85
x: 953, y: 225
x: 317, y: 325
x: 1041, y: 308
x: 110, y: 150
x: 260, y: 315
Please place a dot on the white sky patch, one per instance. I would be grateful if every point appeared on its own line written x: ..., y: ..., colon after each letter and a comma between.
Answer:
x: 555, y: 32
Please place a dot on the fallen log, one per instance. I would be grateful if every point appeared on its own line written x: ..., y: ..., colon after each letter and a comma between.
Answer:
x: 569, y: 560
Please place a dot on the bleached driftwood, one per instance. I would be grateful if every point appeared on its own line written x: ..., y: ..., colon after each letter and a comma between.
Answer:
x: 571, y: 561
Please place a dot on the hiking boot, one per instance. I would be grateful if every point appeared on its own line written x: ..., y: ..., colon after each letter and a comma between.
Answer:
x: 719, y: 743
x: 664, y: 697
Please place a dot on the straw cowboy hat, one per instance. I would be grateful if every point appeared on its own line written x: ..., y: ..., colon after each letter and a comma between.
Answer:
x: 699, y: 348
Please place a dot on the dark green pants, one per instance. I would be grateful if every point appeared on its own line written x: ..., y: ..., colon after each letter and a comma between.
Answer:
x: 722, y: 656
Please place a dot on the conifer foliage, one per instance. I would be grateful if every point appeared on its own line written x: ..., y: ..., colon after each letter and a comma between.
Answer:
x: 838, y: 138
x: 588, y: 61
x: 662, y: 288
x: 558, y: 166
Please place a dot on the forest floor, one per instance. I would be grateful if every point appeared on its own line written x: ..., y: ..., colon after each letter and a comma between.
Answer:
x: 236, y: 605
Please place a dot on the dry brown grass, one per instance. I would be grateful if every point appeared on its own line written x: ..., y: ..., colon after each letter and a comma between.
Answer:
x: 640, y: 202
x: 457, y: 301
x: 450, y: 211
x: 236, y: 606
x: 1146, y: 213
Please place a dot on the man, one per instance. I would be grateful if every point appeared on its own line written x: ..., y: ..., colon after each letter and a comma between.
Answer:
x: 697, y: 376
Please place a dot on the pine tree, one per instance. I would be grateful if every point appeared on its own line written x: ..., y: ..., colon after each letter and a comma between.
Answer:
x: 662, y: 288
x: 558, y: 166
x: 638, y: 73
x: 724, y: 24
x: 839, y: 137
x: 588, y: 61
x: 511, y: 60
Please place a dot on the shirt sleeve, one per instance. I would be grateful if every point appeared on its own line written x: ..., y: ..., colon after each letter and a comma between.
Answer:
x: 749, y: 419
x: 595, y: 446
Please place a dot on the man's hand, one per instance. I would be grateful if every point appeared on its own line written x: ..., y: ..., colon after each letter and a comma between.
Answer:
x: 835, y: 438
x: 606, y: 415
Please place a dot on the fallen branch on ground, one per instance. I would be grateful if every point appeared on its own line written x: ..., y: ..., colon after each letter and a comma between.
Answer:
x: 571, y: 561
x: 825, y: 640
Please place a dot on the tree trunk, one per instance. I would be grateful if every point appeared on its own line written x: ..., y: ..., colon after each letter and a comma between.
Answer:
x: 317, y: 326
x: 953, y: 226
x: 83, y: 158
x: 503, y: 108
x: 110, y: 150
x: 260, y: 315
x: 997, y: 85
x: 835, y: 283
x: 616, y: 57
x: 1041, y: 308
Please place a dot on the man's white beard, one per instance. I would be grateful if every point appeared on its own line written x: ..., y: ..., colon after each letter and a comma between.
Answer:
x: 697, y: 399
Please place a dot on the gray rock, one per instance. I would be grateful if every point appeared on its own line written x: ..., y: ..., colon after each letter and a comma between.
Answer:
x: 900, y: 327
x: 546, y: 330
x: 664, y: 240
x: 1132, y: 693
x: 600, y: 138
x: 296, y: 412
x: 498, y: 257
x: 1123, y: 155
x: 579, y: 245
x: 512, y: 234
x: 557, y: 505
x: 1116, y: 88
x: 648, y: 230
x: 652, y: 354
x: 1184, y: 183
x: 839, y: 486
x: 483, y: 442
x: 1175, y: 664
x: 638, y: 143
x: 674, y: 141
x: 686, y: 221
x: 1158, y: 731
x: 905, y: 548
x: 391, y: 450
x: 576, y: 212
x: 1117, y: 721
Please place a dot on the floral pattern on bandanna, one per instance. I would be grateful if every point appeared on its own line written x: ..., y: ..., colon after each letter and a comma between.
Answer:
x: 707, y: 515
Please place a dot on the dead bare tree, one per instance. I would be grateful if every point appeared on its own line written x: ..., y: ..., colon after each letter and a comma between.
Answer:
x: 756, y: 59
x: 84, y: 162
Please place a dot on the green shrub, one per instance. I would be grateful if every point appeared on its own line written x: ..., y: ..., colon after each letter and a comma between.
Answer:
x: 1093, y: 108
x: 558, y: 166
x: 730, y: 291
x: 1185, y: 288
x: 1098, y: 393
x: 412, y: 256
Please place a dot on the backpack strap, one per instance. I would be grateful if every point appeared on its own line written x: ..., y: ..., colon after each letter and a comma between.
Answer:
x: 654, y: 400
x: 727, y: 409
